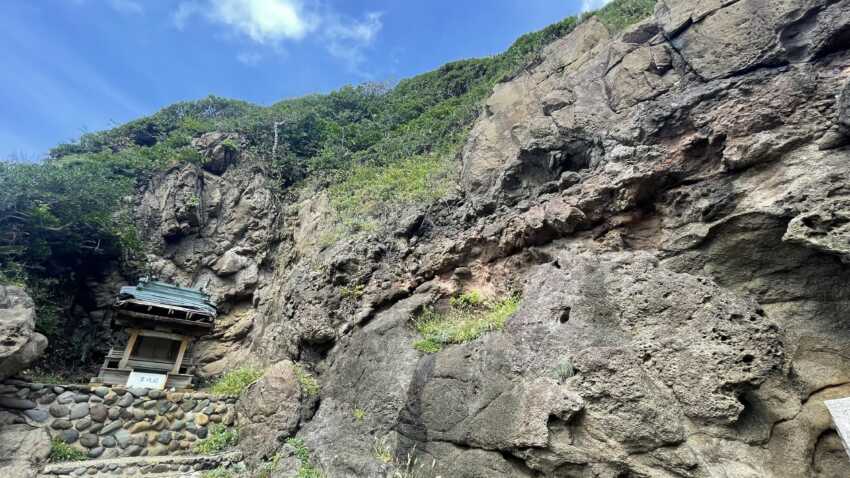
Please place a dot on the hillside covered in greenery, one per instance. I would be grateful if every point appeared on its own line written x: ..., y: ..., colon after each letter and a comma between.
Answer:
x: 371, y: 146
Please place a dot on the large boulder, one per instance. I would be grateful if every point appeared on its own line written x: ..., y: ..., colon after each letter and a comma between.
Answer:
x: 20, y: 344
x: 22, y: 450
x: 269, y: 411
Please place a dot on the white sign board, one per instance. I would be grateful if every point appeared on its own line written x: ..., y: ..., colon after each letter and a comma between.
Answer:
x: 147, y: 380
x: 840, y: 411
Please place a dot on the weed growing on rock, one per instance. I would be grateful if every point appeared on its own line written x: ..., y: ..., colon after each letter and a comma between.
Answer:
x: 359, y: 414
x: 353, y: 292
x: 619, y: 14
x: 429, y: 346
x: 467, y: 300
x: 269, y: 467
x: 220, y: 438
x: 309, y: 384
x: 413, y: 469
x: 61, y: 451
x: 306, y: 470
x: 381, y: 450
x: 370, y: 191
x: 468, y: 318
x: 236, y: 381
x: 220, y: 472
x: 564, y: 370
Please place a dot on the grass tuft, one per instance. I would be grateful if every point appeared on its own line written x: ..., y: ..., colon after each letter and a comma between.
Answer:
x: 306, y: 470
x: 564, y: 370
x: 619, y: 14
x: 370, y: 192
x: 353, y: 292
x: 468, y: 318
x: 236, y: 381
x: 382, y: 451
x: 220, y: 438
x: 309, y: 384
x: 220, y: 472
x: 61, y: 451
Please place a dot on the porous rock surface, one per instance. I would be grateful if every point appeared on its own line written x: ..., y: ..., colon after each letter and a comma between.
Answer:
x: 672, y: 201
x: 20, y: 344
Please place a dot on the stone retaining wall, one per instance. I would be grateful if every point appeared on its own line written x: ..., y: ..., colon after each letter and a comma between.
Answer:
x: 128, y: 467
x: 116, y: 422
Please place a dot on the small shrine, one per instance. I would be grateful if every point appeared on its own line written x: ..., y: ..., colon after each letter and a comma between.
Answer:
x: 163, y: 322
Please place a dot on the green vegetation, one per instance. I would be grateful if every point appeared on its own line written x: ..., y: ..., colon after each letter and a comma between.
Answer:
x: 382, y: 451
x: 468, y: 317
x: 236, y: 381
x: 359, y: 414
x: 219, y: 439
x: 353, y: 292
x: 38, y: 375
x: 619, y: 14
x: 268, y: 468
x: 467, y: 300
x: 61, y: 451
x: 564, y: 370
x: 413, y: 469
x: 220, y: 472
x: 309, y: 384
x: 306, y: 470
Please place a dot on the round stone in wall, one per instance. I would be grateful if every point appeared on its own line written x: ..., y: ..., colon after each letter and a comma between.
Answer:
x: 79, y: 410
x: 89, y: 440
x: 58, y: 410
x: 69, y: 436
x: 98, y: 412
x: 101, y: 391
x: 112, y: 426
x: 83, y: 423
x: 60, y: 424
x: 125, y: 401
x: 16, y: 403
x: 138, y: 392
x: 37, y: 415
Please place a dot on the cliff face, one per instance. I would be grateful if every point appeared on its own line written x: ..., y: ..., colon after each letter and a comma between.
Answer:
x: 673, y: 204
x: 20, y: 344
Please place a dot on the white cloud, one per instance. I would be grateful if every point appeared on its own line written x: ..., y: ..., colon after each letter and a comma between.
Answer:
x: 249, y: 58
x: 271, y: 22
x: 184, y: 11
x: 588, y: 5
x: 263, y: 21
x: 126, y: 6
x: 346, y: 39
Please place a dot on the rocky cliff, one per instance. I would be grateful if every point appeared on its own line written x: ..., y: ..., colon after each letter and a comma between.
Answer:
x: 672, y: 203
x: 20, y: 344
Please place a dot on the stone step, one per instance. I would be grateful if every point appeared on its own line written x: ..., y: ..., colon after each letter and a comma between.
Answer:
x: 146, y: 466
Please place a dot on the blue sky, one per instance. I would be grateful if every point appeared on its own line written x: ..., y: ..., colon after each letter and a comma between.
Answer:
x: 73, y: 66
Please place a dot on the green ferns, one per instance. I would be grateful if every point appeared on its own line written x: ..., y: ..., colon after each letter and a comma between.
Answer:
x: 469, y: 317
x: 236, y: 381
